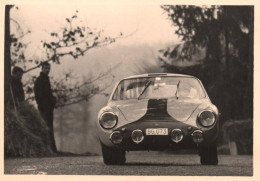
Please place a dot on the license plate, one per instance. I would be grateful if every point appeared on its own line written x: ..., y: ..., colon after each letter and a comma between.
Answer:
x: 157, y: 131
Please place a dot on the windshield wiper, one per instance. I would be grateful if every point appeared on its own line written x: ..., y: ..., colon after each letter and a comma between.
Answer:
x: 146, y: 86
x: 177, y: 91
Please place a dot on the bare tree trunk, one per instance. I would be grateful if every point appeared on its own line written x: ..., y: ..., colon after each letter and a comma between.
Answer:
x: 232, y: 147
x: 84, y: 127
x: 61, y: 129
x: 7, y: 56
x: 227, y: 55
x: 248, y: 95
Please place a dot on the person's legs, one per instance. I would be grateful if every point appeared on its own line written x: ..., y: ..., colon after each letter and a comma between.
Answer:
x: 52, y: 138
x: 47, y: 115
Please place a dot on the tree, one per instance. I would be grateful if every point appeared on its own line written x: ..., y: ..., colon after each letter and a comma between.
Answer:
x: 73, y: 40
x: 226, y: 34
x: 148, y: 67
x: 69, y: 90
x: 7, y: 57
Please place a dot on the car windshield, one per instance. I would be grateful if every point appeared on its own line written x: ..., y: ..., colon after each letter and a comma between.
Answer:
x: 158, y: 88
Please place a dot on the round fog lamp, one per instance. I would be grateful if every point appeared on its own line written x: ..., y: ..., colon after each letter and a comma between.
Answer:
x: 197, y: 136
x: 176, y: 135
x: 137, y: 136
x: 116, y: 137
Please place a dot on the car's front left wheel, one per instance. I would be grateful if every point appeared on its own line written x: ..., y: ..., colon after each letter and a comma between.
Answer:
x: 208, y: 154
x: 113, y: 155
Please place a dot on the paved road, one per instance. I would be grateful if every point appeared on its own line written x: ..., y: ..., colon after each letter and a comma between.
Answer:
x: 140, y: 163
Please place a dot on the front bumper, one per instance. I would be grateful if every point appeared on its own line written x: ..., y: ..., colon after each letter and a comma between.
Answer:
x: 160, y: 142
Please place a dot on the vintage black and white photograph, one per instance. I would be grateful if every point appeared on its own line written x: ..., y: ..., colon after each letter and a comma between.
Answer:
x: 128, y: 89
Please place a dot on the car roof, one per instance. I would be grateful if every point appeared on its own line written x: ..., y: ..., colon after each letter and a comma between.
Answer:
x: 158, y: 74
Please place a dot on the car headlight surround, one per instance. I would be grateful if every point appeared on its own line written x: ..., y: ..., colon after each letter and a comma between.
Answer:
x: 108, y: 120
x: 207, y: 118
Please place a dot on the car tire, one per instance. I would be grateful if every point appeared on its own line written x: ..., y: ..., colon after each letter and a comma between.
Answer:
x: 113, y: 155
x: 208, y: 154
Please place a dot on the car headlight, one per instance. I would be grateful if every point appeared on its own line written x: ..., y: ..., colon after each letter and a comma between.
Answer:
x: 108, y: 120
x: 206, y: 118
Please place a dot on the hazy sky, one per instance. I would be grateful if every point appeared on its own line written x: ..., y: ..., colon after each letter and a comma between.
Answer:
x: 149, y: 22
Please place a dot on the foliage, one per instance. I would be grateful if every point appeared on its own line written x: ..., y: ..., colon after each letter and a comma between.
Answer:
x: 25, y: 131
x: 73, y: 39
x: 146, y: 67
x: 69, y: 89
x: 25, y: 134
x: 226, y: 34
x: 206, y: 26
x: 240, y: 132
x: 18, y: 47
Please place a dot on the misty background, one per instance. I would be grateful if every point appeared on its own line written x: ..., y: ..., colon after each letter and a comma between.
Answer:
x: 147, y: 30
x: 213, y: 43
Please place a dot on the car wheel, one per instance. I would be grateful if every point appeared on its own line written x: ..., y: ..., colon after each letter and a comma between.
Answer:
x: 208, y: 154
x: 113, y: 155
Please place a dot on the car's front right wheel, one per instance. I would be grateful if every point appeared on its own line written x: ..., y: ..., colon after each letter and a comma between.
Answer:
x: 113, y: 155
x: 208, y: 154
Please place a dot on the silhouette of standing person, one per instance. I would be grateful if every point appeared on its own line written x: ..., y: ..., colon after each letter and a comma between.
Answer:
x: 45, y: 100
x: 17, y: 85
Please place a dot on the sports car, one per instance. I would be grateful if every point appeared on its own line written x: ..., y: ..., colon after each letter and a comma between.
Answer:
x: 157, y: 112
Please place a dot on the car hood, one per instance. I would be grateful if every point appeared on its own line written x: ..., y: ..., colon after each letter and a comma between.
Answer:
x: 179, y: 109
